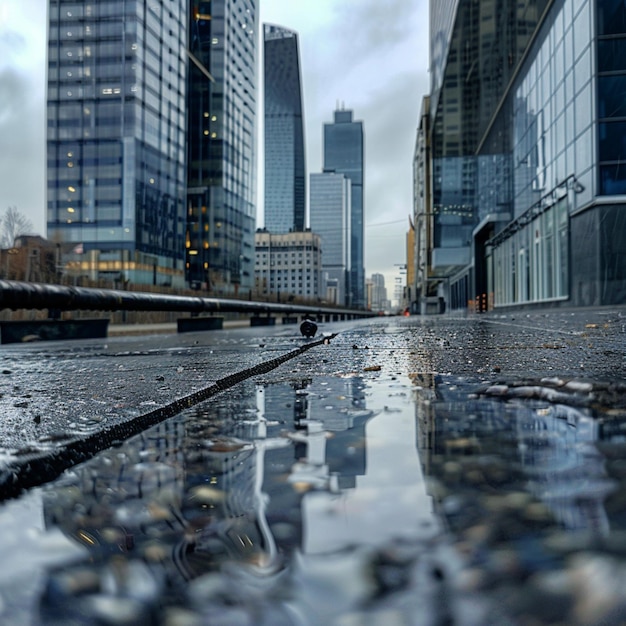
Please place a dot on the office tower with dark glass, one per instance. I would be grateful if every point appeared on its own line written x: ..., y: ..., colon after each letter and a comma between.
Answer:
x: 344, y: 154
x: 221, y: 135
x: 527, y: 136
x: 474, y: 56
x: 116, y: 137
x: 151, y: 127
x: 285, y: 176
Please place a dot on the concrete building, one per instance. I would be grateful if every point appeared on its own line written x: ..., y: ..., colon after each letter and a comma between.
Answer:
x: 288, y: 264
x: 285, y: 172
x: 330, y: 206
x: 344, y: 153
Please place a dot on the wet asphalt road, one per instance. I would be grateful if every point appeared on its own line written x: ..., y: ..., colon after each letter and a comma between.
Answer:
x: 409, y: 471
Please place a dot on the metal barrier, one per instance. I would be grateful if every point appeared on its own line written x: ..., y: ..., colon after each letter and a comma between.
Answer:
x: 21, y: 295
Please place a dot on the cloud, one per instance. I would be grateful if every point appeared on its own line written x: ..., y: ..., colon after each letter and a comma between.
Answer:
x: 371, y: 27
x: 12, y: 44
x: 22, y: 109
x: 12, y: 87
x: 21, y: 147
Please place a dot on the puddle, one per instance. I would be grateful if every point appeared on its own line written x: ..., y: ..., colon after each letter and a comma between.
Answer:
x: 342, y: 499
x: 261, y: 502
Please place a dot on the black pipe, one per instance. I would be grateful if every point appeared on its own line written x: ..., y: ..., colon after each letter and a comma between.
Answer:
x: 21, y: 295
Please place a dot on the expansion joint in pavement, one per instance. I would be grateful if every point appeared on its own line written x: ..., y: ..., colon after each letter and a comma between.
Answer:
x: 36, y: 468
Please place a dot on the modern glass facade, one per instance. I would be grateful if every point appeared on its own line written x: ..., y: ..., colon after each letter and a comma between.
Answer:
x: 476, y: 48
x: 611, y: 88
x: 116, y: 137
x: 442, y: 17
x: 566, y: 240
x: 344, y: 154
x: 221, y: 133
x: 331, y: 202
x: 552, y: 160
x: 528, y: 145
x: 285, y: 176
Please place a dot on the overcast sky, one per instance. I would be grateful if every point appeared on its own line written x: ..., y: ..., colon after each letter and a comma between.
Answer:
x: 367, y: 55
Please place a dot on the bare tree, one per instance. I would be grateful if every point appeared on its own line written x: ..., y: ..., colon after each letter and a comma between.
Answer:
x: 12, y: 225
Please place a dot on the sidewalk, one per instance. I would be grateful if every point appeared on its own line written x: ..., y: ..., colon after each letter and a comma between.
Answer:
x: 420, y: 471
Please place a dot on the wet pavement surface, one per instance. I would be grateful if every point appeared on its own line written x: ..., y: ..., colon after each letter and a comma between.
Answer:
x: 406, y: 471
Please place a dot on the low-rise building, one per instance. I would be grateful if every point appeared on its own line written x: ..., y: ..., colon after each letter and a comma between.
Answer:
x: 288, y: 264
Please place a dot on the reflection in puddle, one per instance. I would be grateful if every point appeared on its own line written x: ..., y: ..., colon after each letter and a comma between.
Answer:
x: 548, y: 451
x: 333, y: 500
x: 264, y: 503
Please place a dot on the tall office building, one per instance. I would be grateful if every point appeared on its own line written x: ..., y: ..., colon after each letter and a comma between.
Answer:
x: 344, y: 154
x: 330, y: 200
x: 116, y: 137
x: 379, y: 293
x: 422, y: 214
x: 527, y: 155
x: 151, y: 139
x: 221, y: 195
x: 475, y: 50
x: 285, y: 177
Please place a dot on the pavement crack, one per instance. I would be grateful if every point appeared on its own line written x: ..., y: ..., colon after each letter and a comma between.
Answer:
x: 36, y: 467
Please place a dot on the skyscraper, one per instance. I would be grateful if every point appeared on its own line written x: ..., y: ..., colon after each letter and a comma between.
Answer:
x: 221, y: 135
x: 285, y: 177
x: 151, y: 139
x: 475, y: 52
x: 527, y: 145
x: 330, y: 199
x: 379, y: 293
x: 344, y: 154
x: 116, y: 136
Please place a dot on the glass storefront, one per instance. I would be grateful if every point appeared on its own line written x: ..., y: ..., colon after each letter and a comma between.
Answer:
x: 531, y: 265
x: 553, y: 159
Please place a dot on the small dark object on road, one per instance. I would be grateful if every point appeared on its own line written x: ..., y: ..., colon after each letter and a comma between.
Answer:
x: 308, y: 328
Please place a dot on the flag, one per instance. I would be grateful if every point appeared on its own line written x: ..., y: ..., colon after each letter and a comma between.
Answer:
x: 78, y: 249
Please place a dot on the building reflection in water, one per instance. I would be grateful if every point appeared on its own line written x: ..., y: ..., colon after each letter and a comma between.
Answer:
x: 553, y: 445
x: 252, y: 479
x: 565, y: 469
x: 301, y: 481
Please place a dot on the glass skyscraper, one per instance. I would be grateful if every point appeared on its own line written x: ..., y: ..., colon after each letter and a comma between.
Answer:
x: 476, y: 49
x: 331, y: 201
x: 151, y: 139
x: 116, y: 137
x: 221, y: 135
x: 527, y: 138
x: 344, y: 154
x: 285, y: 176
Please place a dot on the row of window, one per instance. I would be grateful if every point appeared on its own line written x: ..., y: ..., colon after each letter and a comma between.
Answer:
x: 303, y: 269
x: 532, y: 264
